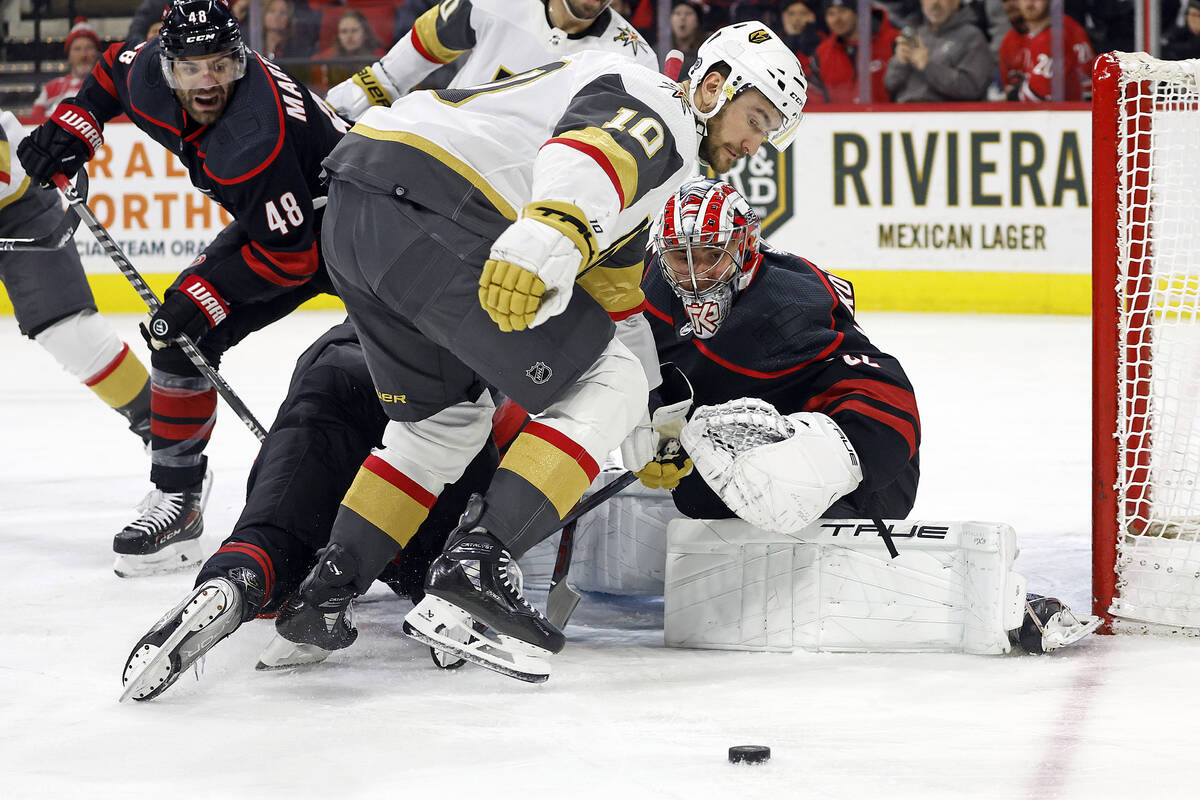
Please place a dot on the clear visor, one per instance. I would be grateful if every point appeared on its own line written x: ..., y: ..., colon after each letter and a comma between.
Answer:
x: 701, y: 263
x: 202, y: 72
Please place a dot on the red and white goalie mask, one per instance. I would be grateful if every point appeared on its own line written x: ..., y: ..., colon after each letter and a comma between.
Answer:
x: 706, y: 240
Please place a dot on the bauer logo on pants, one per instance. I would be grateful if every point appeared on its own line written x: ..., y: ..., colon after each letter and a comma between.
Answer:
x: 539, y: 373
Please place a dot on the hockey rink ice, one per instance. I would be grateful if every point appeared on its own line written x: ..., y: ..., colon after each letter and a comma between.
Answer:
x: 1005, y: 408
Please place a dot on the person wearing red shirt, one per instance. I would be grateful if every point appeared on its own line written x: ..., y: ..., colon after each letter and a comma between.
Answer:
x: 1037, y: 72
x: 835, y: 62
x: 83, y: 50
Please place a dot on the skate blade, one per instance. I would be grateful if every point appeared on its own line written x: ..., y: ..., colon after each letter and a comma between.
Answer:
x: 281, y: 654
x: 173, y: 557
x: 439, y: 625
x: 153, y: 664
x: 1065, y: 628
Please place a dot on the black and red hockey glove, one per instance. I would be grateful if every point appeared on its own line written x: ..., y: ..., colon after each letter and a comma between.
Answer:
x: 61, y: 144
x: 192, y: 309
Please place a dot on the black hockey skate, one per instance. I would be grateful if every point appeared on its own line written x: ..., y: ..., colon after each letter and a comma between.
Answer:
x: 320, y: 613
x: 210, y: 613
x: 474, y: 610
x: 166, y: 537
x: 1048, y: 625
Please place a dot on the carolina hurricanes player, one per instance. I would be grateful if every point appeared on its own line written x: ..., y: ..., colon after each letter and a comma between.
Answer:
x: 498, y: 37
x: 461, y: 222
x: 771, y: 337
x: 252, y: 138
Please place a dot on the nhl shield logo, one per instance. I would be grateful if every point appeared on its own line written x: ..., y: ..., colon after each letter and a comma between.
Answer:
x: 539, y: 373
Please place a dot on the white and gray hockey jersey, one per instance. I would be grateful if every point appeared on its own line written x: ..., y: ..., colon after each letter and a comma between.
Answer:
x: 504, y: 37
x: 597, y: 136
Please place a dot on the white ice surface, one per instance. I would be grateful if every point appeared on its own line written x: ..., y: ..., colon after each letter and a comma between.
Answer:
x: 1005, y: 409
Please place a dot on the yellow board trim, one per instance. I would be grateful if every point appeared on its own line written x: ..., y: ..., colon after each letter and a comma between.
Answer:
x: 983, y: 292
x: 114, y: 295
x: 384, y: 506
x: 425, y: 29
x: 453, y: 162
x: 124, y: 383
x: 552, y: 471
x: 622, y: 162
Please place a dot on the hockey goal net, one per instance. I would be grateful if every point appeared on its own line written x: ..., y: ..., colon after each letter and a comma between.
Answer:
x: 1146, y: 343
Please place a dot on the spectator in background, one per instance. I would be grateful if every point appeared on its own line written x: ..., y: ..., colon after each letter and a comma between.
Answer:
x: 835, y: 62
x: 147, y: 13
x: 1183, y: 41
x: 799, y: 29
x: 1037, y: 71
x: 83, y: 49
x: 1014, y: 52
x: 686, y: 34
x: 946, y: 59
x: 1109, y: 23
x: 354, y: 38
x: 282, y: 38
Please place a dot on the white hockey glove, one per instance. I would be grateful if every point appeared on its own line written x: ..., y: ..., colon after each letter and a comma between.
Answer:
x: 652, y: 449
x: 533, y: 265
x: 368, y: 87
x: 777, y: 473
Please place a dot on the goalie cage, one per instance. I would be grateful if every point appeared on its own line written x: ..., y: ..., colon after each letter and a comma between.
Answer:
x: 1146, y: 343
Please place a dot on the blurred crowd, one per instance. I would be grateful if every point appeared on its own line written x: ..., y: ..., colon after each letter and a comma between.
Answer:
x: 918, y: 50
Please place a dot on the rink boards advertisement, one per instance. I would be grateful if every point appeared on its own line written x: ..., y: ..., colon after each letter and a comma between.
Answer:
x: 923, y: 210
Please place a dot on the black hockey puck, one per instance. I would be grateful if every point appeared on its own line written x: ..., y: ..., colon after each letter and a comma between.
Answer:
x: 749, y: 754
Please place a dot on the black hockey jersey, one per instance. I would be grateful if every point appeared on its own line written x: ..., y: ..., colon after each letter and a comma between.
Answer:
x: 261, y: 160
x: 791, y: 339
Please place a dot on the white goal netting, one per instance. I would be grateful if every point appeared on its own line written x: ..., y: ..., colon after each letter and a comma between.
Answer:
x: 1157, y: 296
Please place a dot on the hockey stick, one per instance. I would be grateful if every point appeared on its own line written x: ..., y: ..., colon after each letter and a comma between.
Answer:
x: 56, y: 239
x: 113, y: 250
x: 562, y: 598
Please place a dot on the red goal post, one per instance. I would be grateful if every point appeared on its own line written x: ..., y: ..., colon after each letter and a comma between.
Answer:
x: 1146, y: 343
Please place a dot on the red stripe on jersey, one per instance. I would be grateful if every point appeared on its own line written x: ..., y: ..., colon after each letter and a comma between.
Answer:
x: 112, y: 365
x: 101, y: 74
x: 754, y: 373
x: 894, y: 396
x: 420, y: 48
x: 664, y: 316
x: 268, y: 272
x: 181, y: 432
x: 617, y: 316
x: 298, y: 263
x: 395, y: 477
x: 183, y: 403
x: 597, y: 155
x: 569, y: 447
x: 278, y: 141
x: 5, y: 177
x: 898, y: 424
x: 507, y: 421
x: 259, y: 555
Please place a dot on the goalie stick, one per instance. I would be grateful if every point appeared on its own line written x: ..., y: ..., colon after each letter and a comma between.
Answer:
x: 56, y: 239
x: 113, y: 251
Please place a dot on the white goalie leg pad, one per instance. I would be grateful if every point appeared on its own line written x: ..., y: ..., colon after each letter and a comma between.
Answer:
x: 435, y: 451
x: 620, y: 547
x: 83, y: 343
x: 778, y: 473
x: 832, y: 587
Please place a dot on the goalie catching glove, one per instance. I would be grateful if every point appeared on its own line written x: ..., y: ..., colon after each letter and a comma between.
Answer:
x: 652, y: 450
x: 533, y: 265
x: 776, y: 472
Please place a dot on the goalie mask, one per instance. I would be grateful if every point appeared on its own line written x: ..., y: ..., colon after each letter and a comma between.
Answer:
x: 706, y: 240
